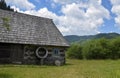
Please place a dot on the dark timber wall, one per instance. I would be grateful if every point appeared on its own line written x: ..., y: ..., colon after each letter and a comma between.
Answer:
x: 11, y: 53
x: 31, y: 58
x: 25, y: 54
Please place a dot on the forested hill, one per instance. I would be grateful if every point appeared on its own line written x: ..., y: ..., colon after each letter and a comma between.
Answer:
x: 75, y: 38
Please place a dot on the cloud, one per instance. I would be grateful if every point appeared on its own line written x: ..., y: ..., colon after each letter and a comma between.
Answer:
x: 79, y: 18
x: 65, y: 1
x: 22, y: 4
x: 83, y: 19
x: 15, y: 8
x: 44, y: 12
x: 76, y: 1
x: 116, y: 10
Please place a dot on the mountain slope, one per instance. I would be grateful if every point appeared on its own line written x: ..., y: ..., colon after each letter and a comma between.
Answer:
x: 74, y: 38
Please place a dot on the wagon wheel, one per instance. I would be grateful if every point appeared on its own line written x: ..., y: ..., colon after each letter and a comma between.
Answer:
x: 41, y: 52
x: 58, y: 63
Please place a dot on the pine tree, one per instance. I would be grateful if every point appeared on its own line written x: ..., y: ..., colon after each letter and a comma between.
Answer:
x: 4, y: 6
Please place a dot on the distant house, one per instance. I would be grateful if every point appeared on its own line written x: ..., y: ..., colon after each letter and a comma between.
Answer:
x: 27, y: 39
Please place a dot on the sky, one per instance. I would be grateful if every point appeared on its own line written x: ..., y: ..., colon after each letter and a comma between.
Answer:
x: 75, y: 17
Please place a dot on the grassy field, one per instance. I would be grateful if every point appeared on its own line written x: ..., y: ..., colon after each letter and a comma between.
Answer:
x: 73, y: 69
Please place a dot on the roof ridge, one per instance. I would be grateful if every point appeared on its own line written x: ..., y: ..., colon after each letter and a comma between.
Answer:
x: 26, y: 14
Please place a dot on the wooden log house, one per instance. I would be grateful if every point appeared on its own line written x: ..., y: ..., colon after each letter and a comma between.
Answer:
x: 27, y: 39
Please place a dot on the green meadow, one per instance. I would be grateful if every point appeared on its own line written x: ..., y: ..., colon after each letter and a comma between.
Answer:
x: 72, y: 69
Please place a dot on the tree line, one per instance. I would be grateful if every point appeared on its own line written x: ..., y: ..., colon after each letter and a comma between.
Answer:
x: 4, y: 6
x: 96, y: 49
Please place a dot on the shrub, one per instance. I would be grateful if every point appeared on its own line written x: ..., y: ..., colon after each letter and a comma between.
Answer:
x: 96, y: 49
x: 75, y: 51
x: 115, y: 48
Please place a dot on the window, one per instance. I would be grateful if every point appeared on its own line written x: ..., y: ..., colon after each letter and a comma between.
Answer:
x: 56, y: 52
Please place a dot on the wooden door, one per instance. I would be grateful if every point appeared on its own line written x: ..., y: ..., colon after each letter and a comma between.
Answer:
x: 5, y: 51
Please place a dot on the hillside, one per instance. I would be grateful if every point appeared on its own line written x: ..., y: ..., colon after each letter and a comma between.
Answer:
x: 75, y: 38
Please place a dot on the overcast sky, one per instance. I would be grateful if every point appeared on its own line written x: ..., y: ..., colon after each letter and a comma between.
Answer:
x: 75, y: 17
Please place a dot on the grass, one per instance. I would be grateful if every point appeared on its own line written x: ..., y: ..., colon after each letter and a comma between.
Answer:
x: 73, y: 69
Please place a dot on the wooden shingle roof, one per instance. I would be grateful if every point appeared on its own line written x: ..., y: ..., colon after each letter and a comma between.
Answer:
x: 27, y: 29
